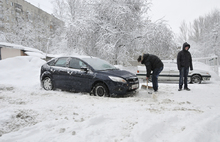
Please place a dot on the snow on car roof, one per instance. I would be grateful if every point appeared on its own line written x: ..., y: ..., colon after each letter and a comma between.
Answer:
x: 79, y: 56
x: 82, y: 56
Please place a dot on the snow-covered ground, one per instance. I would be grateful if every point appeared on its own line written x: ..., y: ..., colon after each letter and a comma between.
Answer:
x: 30, y: 114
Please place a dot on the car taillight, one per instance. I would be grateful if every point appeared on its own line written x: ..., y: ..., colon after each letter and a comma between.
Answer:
x: 137, y: 71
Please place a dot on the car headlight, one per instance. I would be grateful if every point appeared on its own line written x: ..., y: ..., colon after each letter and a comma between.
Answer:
x: 117, y: 79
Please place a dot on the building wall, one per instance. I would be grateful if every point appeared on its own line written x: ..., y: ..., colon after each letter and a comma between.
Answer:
x: 10, y: 52
x: 16, y: 15
x: 10, y: 10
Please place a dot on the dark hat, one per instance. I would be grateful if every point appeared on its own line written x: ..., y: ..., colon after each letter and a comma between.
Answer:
x: 139, y: 58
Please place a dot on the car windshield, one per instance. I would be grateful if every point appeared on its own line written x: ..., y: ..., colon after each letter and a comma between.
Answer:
x: 99, y: 64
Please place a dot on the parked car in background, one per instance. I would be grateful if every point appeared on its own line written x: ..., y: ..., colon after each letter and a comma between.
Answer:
x: 171, y: 73
x: 87, y: 74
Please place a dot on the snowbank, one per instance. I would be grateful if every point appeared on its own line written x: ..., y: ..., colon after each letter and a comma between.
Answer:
x: 29, y: 113
x: 21, y: 71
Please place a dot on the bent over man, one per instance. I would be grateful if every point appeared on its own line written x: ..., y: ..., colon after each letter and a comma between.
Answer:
x: 184, y: 62
x: 152, y: 63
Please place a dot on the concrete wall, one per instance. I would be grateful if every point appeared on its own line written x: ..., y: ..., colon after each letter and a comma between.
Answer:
x: 10, y: 52
x: 13, y: 8
x: 10, y: 10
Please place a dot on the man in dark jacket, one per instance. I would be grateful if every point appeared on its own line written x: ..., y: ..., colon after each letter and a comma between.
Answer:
x: 152, y: 63
x: 184, y: 62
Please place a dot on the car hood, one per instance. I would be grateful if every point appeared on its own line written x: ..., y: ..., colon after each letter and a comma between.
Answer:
x: 199, y: 71
x: 118, y: 73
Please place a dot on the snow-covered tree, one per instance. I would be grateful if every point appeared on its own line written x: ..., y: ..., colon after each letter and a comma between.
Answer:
x: 205, y: 33
x: 118, y: 24
x: 60, y: 9
x: 183, y: 36
x: 116, y: 30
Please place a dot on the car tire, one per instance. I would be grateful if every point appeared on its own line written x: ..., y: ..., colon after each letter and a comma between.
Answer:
x: 100, y: 90
x: 47, y: 83
x: 196, y: 79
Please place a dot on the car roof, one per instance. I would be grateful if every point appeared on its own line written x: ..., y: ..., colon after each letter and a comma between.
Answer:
x: 78, y: 56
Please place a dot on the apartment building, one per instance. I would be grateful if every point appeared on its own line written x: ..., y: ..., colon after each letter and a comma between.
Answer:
x: 11, y: 10
x: 25, y: 24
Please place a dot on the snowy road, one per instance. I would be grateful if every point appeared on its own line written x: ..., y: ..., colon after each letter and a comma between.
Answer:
x: 29, y: 113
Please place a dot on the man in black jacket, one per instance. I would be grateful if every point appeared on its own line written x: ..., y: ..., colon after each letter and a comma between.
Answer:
x: 184, y: 62
x: 152, y: 63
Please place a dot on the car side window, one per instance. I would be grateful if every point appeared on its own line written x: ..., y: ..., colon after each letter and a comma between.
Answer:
x: 51, y: 63
x: 76, y: 64
x: 61, y: 62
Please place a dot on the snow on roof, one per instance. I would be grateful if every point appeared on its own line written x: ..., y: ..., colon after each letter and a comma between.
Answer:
x: 17, y: 46
x: 28, y: 50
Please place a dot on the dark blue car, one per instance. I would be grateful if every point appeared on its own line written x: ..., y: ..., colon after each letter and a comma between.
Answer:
x: 87, y: 74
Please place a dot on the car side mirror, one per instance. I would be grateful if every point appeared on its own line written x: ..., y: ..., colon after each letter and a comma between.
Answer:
x: 84, y: 69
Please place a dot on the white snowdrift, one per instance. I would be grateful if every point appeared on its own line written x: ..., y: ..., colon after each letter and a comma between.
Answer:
x: 29, y: 113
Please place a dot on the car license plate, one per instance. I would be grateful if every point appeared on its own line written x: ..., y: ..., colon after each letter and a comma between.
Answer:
x: 134, y: 86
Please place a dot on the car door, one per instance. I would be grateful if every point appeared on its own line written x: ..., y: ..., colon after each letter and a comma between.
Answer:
x: 174, y: 72
x: 78, y: 78
x: 59, y: 73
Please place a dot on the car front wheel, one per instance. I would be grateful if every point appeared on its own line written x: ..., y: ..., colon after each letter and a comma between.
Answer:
x: 100, y: 90
x: 196, y: 79
x: 47, y: 83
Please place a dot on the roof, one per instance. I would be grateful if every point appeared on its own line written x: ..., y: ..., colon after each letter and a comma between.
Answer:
x: 28, y: 50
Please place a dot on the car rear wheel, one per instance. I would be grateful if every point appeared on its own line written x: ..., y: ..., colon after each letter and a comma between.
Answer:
x: 196, y: 79
x: 100, y: 90
x: 47, y: 83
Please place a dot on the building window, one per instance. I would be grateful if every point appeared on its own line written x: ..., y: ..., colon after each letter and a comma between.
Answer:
x: 18, y: 8
x: 12, y: 12
x: 7, y: 18
x: 1, y: 16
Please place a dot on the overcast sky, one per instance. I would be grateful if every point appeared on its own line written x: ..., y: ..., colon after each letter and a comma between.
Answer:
x: 176, y: 11
x: 173, y: 11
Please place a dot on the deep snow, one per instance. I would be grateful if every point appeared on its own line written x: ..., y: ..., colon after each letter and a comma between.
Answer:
x: 30, y: 114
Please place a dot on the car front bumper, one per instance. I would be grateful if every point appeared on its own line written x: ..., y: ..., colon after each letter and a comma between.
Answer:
x: 206, y: 78
x: 119, y: 89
